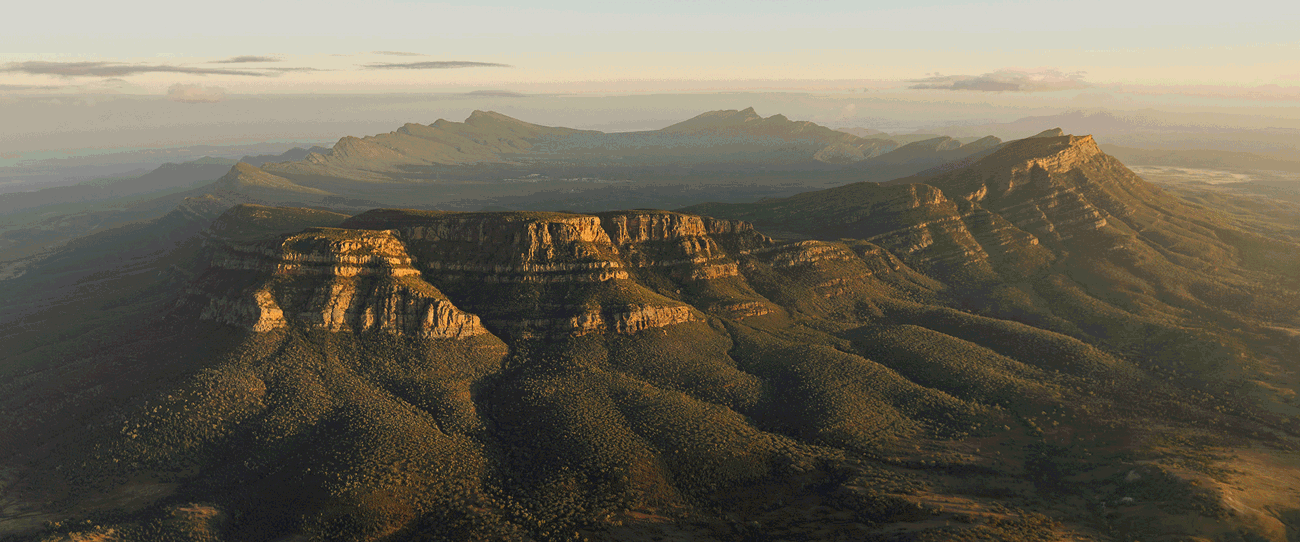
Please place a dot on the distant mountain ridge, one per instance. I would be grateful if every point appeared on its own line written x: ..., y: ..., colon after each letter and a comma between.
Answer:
x: 1273, y: 137
x: 492, y: 138
x: 400, y: 165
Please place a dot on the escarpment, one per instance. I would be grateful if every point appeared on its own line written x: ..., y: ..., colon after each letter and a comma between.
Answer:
x: 951, y: 238
x: 504, y: 247
x: 454, y: 275
x: 687, y: 246
x: 1053, y: 187
x: 438, y: 274
x: 1007, y: 215
x: 330, y: 279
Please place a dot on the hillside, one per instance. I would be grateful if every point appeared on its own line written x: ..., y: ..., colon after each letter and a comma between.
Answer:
x: 1035, y: 344
x: 489, y: 161
x: 740, y: 139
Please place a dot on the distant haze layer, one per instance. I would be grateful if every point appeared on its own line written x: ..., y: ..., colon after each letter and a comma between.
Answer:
x: 45, y: 123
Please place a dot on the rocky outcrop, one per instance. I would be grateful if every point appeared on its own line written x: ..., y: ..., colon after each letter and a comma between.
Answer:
x: 626, y: 319
x: 525, y: 274
x: 254, y: 309
x: 330, y: 279
x: 689, y: 247
x: 801, y: 253
x: 1052, y: 186
x: 533, y: 248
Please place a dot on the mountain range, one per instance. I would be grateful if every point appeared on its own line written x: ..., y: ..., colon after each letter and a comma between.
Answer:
x: 1017, y: 340
x: 490, y: 161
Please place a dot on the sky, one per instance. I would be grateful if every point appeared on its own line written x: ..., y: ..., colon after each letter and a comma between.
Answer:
x: 244, y: 46
x: 78, y: 75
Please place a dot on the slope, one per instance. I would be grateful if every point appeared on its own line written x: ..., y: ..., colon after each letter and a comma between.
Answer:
x: 406, y: 374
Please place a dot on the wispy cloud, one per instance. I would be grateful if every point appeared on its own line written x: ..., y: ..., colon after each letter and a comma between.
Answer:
x: 1006, y: 80
x: 397, y: 53
x: 434, y: 65
x: 289, y: 70
x: 244, y: 59
x: 496, y: 93
x: 195, y: 94
x: 113, y: 69
x: 28, y: 87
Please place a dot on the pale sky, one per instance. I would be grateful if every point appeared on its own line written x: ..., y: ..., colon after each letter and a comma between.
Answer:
x: 253, y: 47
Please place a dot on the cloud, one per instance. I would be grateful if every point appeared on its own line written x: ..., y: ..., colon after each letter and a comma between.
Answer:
x: 288, y: 70
x: 435, y: 65
x: 28, y: 87
x: 496, y: 93
x: 396, y: 53
x: 195, y: 94
x: 1006, y: 80
x: 112, y: 69
x: 242, y: 59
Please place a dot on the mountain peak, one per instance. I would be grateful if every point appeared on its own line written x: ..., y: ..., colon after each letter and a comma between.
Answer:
x: 1054, y: 132
x: 941, y: 143
x: 479, y: 117
x: 724, y: 118
x: 245, y: 177
x: 1056, y: 151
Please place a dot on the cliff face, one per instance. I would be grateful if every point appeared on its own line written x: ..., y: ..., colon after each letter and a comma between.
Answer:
x: 688, y: 247
x: 951, y: 238
x: 329, y: 279
x: 1008, y: 215
x: 453, y: 275
x: 527, y: 274
x: 1052, y: 187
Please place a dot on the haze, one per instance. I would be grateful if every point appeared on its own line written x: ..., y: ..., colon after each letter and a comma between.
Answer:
x: 153, y: 75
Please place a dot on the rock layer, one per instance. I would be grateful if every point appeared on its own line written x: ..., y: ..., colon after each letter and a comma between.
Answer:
x: 331, y: 279
x: 526, y: 274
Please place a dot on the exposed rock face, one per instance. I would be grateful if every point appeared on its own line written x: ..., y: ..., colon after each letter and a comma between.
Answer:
x: 255, y: 310
x: 1054, y: 187
x: 527, y: 274
x: 516, y: 248
x: 332, y: 279
x: 535, y: 275
x: 625, y: 320
x: 952, y: 238
x: 323, y: 251
x: 1004, y: 216
x: 805, y: 253
x: 687, y: 246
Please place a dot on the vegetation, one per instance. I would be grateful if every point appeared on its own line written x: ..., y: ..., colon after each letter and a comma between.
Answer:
x: 925, y: 364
